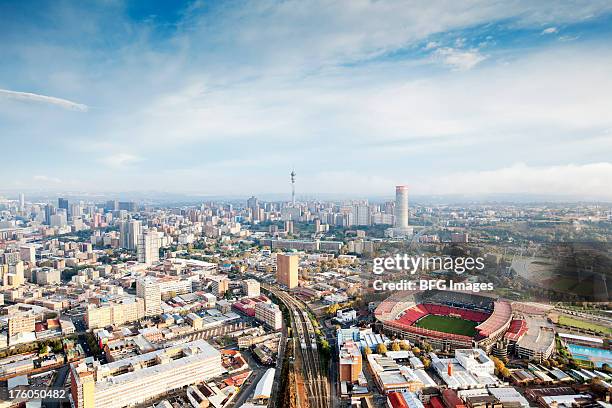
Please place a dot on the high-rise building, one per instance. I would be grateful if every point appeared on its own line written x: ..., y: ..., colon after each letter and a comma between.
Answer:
x: 219, y: 285
x: 20, y: 322
x: 129, y: 231
x: 269, y: 314
x: 287, y: 270
x: 21, y: 202
x: 127, y: 205
x: 59, y: 220
x: 63, y: 204
x: 400, y: 220
x: 49, y: 211
x: 148, y: 247
x: 28, y: 253
x: 401, y: 207
x: 15, y: 275
x: 253, y: 204
x: 111, y: 205
x: 148, y: 288
x: 289, y: 227
x: 251, y: 287
x: 361, y: 214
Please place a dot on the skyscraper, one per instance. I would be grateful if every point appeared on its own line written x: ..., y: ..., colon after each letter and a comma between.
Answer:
x: 400, y: 221
x: 148, y: 288
x: 62, y: 203
x: 287, y: 270
x: 21, y: 202
x: 129, y: 231
x: 148, y: 247
x: 401, y: 207
x: 49, y: 211
x: 253, y: 204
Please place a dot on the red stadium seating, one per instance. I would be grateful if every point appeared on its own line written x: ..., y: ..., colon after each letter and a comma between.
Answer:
x: 502, y: 313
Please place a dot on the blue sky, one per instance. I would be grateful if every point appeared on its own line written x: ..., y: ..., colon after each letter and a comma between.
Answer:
x: 226, y: 97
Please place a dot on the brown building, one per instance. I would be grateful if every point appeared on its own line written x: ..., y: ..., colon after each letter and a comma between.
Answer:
x: 350, y: 363
x: 287, y: 270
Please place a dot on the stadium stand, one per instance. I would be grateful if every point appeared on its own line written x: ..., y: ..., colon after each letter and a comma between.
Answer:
x: 399, y: 316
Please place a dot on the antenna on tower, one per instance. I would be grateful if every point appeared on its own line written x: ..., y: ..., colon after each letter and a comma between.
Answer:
x: 293, y: 187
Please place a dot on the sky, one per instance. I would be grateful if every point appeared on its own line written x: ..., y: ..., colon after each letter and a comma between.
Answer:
x: 227, y: 97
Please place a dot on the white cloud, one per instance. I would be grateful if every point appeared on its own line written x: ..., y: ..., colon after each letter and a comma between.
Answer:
x: 550, y: 30
x: 460, y: 60
x: 47, y: 179
x: 586, y: 180
x: 32, y: 97
x: 120, y: 160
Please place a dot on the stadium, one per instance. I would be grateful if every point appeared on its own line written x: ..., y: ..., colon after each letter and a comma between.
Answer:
x: 446, y: 320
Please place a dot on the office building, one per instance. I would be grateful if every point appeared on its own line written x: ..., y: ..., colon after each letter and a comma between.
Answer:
x: 148, y: 247
x: 219, y: 285
x: 49, y: 211
x: 129, y: 231
x: 251, y: 287
x: 13, y: 276
x: 59, y: 220
x: 148, y: 289
x: 269, y: 314
x: 138, y: 379
x: 114, y: 313
x: 20, y: 322
x: 361, y: 215
x: 28, y: 253
x: 62, y: 204
x: 287, y: 270
x: 48, y: 276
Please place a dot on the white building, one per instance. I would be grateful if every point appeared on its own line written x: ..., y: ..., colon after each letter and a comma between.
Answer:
x: 346, y: 315
x: 148, y: 247
x: 251, y: 287
x: 137, y: 379
x: 269, y: 314
x: 148, y: 289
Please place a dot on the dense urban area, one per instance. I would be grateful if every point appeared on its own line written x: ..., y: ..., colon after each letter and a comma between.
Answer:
x: 249, y: 303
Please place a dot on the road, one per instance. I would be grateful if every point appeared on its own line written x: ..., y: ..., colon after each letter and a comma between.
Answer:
x: 58, y: 382
x: 316, y: 383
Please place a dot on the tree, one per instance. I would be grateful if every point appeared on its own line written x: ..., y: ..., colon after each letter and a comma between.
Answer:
x: 332, y: 309
x: 367, y: 351
x: 404, y: 345
x: 416, y: 350
x: 381, y: 348
x: 426, y: 362
x: 395, y: 346
x: 500, y: 367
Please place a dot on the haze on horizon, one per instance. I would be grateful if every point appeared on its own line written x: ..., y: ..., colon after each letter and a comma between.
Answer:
x: 225, y: 98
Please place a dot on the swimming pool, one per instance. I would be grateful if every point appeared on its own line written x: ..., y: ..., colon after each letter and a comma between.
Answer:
x: 597, y: 356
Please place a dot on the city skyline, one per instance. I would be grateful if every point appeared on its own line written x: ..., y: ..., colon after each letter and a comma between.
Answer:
x: 227, y: 98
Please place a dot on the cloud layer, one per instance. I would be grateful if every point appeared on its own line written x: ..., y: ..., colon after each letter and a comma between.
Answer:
x: 51, y: 100
x: 226, y: 98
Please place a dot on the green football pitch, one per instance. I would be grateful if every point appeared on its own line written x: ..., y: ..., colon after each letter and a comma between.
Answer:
x: 448, y: 324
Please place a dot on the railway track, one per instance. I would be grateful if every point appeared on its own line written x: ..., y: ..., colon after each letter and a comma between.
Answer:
x: 304, y: 333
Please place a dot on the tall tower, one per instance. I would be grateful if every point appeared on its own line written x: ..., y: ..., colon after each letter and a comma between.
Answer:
x: 401, y: 207
x: 293, y: 187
